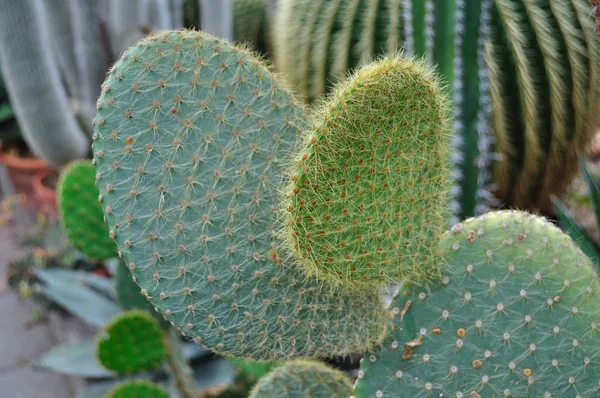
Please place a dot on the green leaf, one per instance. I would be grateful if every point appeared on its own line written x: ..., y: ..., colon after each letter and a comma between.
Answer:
x: 74, y: 359
x: 80, y: 300
x: 593, y: 188
x: 569, y: 225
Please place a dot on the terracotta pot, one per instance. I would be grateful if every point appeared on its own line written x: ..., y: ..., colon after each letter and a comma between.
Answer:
x: 21, y: 171
x: 44, y: 189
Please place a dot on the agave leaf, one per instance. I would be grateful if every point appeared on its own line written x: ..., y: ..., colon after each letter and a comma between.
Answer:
x: 569, y: 225
x: 103, y: 285
x: 80, y: 300
x: 593, y: 188
x: 75, y: 359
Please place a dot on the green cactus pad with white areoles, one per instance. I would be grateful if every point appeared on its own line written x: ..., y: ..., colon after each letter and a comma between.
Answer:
x: 131, y: 343
x: 368, y: 195
x: 191, y: 136
x: 516, y: 315
x: 80, y: 212
x: 303, y: 379
x: 138, y: 389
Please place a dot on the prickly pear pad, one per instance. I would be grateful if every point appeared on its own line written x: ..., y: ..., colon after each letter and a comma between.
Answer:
x: 191, y: 135
x: 131, y: 343
x: 369, y: 191
x: 80, y: 212
x: 517, y: 315
x: 138, y: 389
x: 303, y: 379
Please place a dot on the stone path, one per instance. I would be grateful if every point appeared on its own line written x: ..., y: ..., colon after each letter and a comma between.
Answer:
x: 22, y: 340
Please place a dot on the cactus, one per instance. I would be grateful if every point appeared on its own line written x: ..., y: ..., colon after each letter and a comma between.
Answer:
x: 35, y: 89
x: 190, y: 137
x: 137, y: 389
x: 515, y: 315
x: 81, y: 214
x: 366, y: 198
x: 192, y: 14
x: 132, y: 343
x: 521, y: 73
x: 249, y: 22
x: 298, y: 379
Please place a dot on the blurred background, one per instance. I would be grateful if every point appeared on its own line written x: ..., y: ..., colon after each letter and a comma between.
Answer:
x: 525, y: 83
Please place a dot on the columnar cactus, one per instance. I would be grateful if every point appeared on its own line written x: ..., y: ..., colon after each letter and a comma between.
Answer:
x: 303, y: 379
x: 515, y: 315
x: 522, y: 75
x: 366, y: 197
x: 191, y: 136
x: 80, y: 212
x: 132, y: 343
x: 35, y: 89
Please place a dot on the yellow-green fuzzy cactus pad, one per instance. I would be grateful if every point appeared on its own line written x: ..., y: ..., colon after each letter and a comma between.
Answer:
x: 131, y: 343
x: 191, y: 138
x: 303, y: 379
x: 137, y: 389
x: 80, y: 212
x: 516, y: 315
x: 368, y: 197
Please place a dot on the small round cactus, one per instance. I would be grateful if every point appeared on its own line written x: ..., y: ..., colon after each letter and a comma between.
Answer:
x: 190, y: 142
x: 303, y: 379
x: 131, y: 343
x: 137, y: 389
x: 516, y: 315
x: 369, y: 190
x: 80, y: 212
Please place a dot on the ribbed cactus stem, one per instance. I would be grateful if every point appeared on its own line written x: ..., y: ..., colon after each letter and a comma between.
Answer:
x: 217, y: 18
x: 159, y: 14
x: 407, y: 25
x: 177, y: 12
x: 124, y: 17
x: 61, y: 38
x: 91, y: 60
x: 34, y: 87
